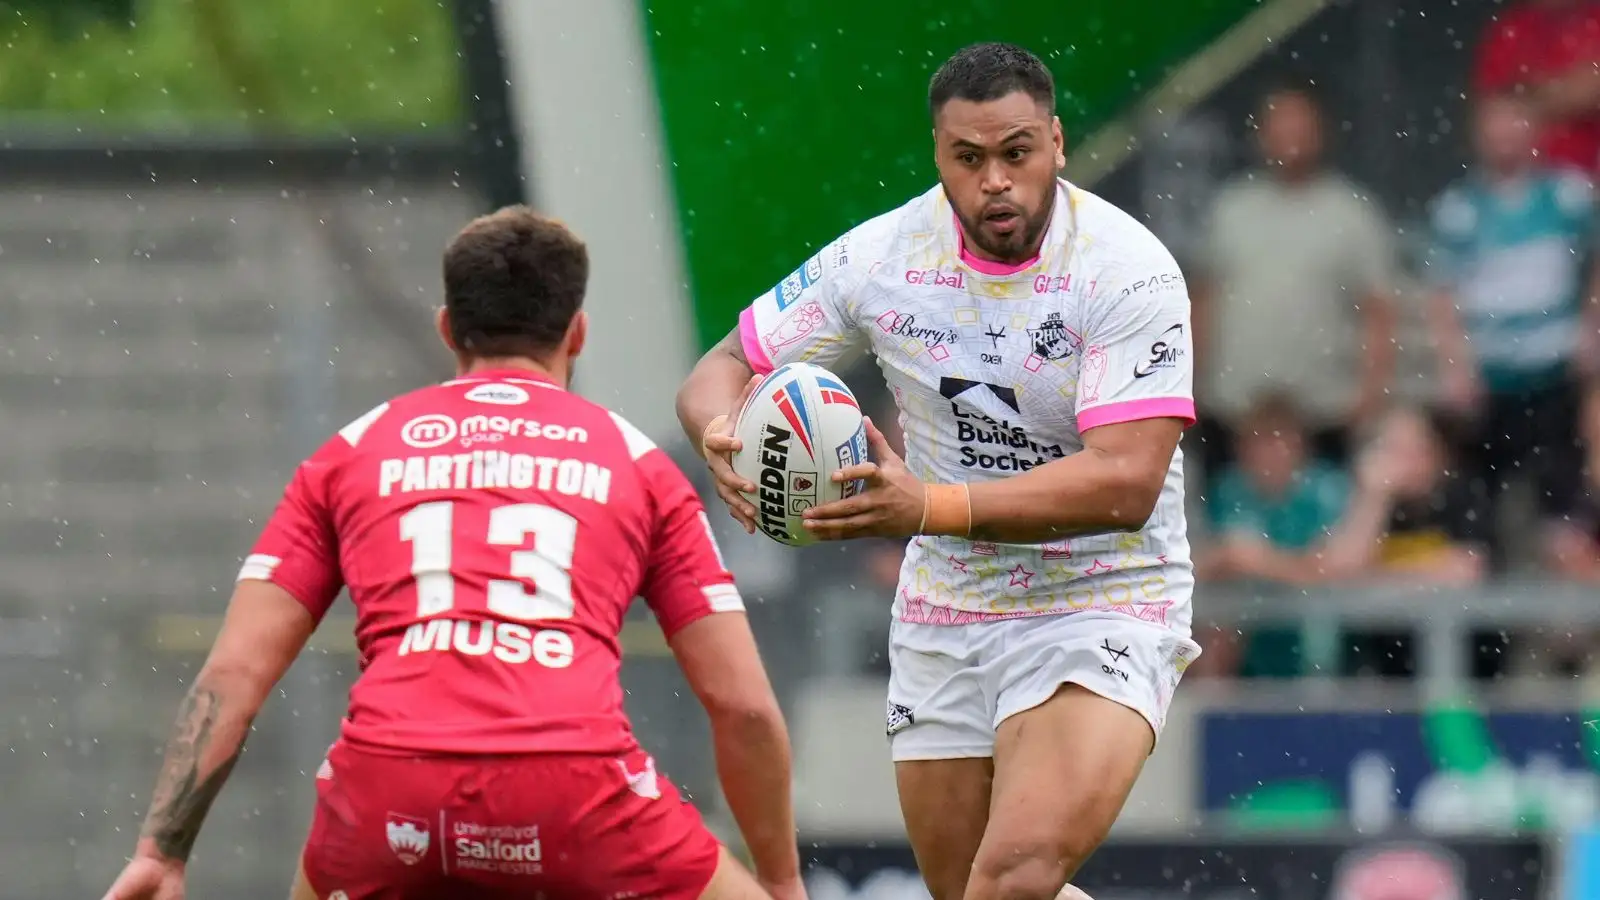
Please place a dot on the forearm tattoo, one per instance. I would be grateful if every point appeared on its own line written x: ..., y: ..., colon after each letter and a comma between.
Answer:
x: 185, y: 789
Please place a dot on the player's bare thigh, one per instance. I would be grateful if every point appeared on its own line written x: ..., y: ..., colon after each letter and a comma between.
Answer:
x: 302, y: 888
x: 945, y: 803
x: 732, y: 881
x: 1063, y: 771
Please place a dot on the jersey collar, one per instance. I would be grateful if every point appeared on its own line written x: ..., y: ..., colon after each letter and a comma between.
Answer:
x: 1060, y: 219
x: 513, y: 376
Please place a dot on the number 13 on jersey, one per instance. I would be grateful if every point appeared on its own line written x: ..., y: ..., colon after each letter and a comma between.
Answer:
x: 546, y: 569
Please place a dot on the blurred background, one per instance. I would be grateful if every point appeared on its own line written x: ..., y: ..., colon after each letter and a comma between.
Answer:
x: 220, y: 225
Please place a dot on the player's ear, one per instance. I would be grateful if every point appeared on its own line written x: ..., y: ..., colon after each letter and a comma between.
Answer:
x: 441, y: 321
x: 577, y: 334
x: 1060, y: 140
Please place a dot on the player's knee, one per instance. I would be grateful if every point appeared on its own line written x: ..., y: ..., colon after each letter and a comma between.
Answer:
x: 1028, y: 870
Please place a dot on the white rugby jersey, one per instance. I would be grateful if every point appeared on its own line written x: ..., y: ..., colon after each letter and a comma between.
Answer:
x: 997, y: 369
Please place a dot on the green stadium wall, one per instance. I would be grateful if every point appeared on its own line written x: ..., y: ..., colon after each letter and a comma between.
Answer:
x: 787, y: 122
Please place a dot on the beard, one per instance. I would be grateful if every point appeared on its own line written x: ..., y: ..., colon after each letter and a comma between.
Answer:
x: 1017, y: 245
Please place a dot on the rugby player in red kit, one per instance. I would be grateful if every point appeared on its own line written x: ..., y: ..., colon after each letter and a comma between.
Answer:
x: 492, y: 531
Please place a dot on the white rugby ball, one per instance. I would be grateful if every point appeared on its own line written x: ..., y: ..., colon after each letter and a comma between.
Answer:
x: 800, y: 425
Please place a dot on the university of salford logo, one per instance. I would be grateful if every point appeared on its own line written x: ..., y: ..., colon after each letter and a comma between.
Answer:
x: 408, y: 837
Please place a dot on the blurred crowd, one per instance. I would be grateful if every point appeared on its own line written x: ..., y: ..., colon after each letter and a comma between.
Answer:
x: 1312, y: 471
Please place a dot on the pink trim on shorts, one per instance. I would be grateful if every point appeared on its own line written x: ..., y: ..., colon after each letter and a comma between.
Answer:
x: 916, y: 610
x: 987, y: 266
x: 750, y: 341
x: 1135, y: 410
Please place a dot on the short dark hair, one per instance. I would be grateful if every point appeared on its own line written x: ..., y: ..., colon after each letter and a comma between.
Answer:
x: 513, y: 280
x: 983, y: 72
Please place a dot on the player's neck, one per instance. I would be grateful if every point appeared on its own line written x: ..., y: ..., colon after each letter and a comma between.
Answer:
x: 554, y: 371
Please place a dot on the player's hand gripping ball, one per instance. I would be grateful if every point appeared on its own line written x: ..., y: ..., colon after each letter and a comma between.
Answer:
x: 797, y: 430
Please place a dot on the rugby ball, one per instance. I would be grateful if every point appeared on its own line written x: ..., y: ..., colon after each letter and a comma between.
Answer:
x: 800, y: 425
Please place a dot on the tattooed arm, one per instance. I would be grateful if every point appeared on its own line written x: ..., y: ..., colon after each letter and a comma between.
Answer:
x: 264, y: 631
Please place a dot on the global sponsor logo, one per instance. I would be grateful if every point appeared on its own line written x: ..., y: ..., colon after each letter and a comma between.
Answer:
x: 1056, y: 284
x: 794, y: 328
x: 936, y: 278
x: 436, y: 429
x: 988, y: 443
x: 1165, y: 352
x: 906, y: 326
x: 498, y: 394
x: 408, y: 837
x: 770, y: 482
x: 504, y: 849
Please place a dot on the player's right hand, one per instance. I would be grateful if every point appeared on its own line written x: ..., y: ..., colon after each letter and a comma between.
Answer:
x: 147, y: 878
x: 720, y: 445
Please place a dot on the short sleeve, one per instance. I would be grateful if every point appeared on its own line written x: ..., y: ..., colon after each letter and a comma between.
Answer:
x: 1138, y: 359
x: 1452, y: 220
x: 685, y: 577
x: 805, y: 317
x: 298, y: 549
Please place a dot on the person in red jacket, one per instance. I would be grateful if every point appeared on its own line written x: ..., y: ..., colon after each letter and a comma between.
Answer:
x: 1550, y: 51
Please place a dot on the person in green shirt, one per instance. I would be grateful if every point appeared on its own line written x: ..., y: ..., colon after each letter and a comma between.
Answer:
x: 1270, y: 513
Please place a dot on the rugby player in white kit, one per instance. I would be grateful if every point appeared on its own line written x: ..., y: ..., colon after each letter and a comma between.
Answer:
x: 1036, y: 339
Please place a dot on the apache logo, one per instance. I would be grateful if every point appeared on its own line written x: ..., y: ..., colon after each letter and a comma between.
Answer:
x: 769, y: 483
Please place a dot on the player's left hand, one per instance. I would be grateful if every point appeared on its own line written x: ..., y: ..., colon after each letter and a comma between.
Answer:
x: 889, y: 506
x: 148, y: 878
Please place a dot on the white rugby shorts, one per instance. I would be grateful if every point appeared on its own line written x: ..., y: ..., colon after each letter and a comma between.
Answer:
x: 950, y: 686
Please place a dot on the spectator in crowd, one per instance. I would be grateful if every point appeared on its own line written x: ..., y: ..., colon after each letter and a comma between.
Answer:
x: 1512, y: 315
x: 1549, y: 50
x: 1283, y: 518
x: 1271, y: 513
x: 1573, y: 548
x: 1411, y: 516
x: 1293, y: 290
